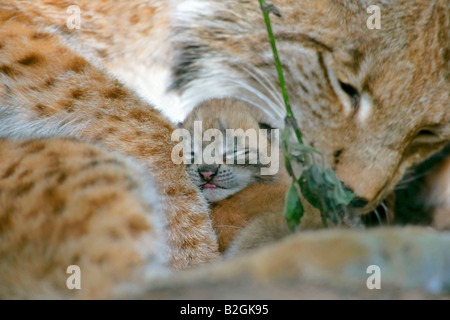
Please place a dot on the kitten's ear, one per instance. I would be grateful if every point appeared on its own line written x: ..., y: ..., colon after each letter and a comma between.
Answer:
x: 266, y: 127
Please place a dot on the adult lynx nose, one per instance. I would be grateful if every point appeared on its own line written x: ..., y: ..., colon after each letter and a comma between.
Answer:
x: 358, y: 202
x: 367, y: 178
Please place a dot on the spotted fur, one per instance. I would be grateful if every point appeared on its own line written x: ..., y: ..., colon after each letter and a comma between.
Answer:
x: 64, y: 202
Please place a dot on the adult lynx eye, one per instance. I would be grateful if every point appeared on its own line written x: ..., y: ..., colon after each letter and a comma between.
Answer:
x: 352, y: 92
x: 425, y: 132
x: 427, y: 135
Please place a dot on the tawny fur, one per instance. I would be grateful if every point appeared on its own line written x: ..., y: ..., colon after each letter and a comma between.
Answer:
x: 232, y: 215
x: 258, y: 212
x: 323, y: 264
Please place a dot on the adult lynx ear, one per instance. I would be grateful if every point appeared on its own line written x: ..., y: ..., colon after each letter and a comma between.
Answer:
x: 267, y: 127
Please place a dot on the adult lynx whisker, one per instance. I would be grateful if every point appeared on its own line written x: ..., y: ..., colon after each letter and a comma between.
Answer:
x: 272, y: 91
x: 260, y: 95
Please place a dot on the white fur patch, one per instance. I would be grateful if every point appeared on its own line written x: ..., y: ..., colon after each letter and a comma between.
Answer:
x: 152, y: 246
x: 190, y: 9
x: 365, y: 107
x: 345, y: 100
x: 15, y: 125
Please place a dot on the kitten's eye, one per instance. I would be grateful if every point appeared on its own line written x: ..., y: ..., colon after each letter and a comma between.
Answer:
x: 240, y: 152
x: 427, y: 135
x: 265, y: 126
x: 352, y: 92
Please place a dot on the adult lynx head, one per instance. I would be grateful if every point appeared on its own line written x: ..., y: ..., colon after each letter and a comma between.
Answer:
x: 227, y: 176
x: 374, y: 102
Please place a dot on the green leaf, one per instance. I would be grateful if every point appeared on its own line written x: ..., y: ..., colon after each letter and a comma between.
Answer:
x: 319, y: 185
x: 341, y: 196
x: 309, y: 189
x: 302, y: 147
x: 294, y: 208
x: 287, y: 159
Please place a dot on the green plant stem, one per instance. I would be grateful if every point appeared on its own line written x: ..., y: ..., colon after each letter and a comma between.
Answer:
x: 290, y: 120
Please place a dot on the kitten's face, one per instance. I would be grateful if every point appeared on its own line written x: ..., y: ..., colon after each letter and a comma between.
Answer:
x: 218, y: 181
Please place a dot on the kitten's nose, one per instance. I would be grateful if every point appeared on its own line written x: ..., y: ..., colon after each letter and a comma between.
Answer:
x: 207, y: 172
